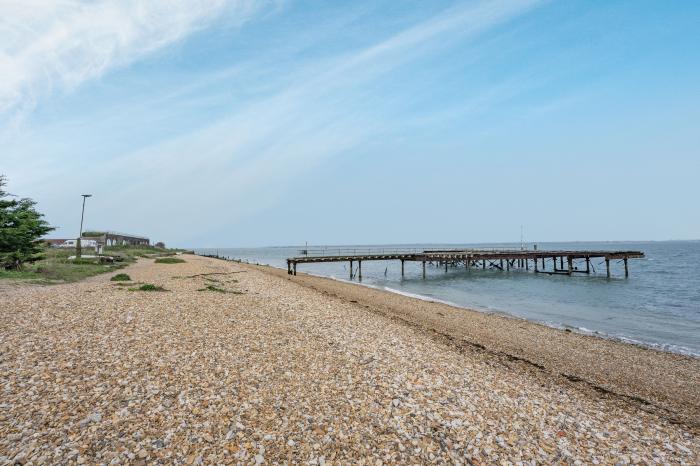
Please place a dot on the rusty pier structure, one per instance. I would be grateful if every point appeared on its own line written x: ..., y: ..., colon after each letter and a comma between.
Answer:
x: 559, y: 262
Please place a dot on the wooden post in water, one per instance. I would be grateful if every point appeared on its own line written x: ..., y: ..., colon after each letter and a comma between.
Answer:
x: 535, y: 261
x: 543, y: 266
x: 561, y: 262
x: 527, y: 264
x: 570, y: 264
x: 588, y: 264
x: 401, y: 268
x: 554, y: 264
x: 501, y: 264
x: 351, y: 269
x: 295, y: 269
x: 445, y: 266
x: 423, y: 270
x: 483, y: 264
x: 627, y: 271
x: 359, y: 270
x: 607, y: 266
x: 508, y: 265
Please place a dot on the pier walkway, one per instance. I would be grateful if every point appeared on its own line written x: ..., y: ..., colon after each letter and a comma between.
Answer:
x: 549, y: 262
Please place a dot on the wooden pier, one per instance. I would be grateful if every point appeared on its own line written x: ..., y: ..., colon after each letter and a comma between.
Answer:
x: 548, y: 262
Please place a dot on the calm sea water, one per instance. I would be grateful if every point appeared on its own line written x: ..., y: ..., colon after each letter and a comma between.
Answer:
x: 658, y: 305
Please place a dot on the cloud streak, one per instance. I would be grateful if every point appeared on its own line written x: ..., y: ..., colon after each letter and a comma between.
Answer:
x: 47, y: 45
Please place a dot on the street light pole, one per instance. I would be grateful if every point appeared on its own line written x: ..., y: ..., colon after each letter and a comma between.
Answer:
x: 78, y: 249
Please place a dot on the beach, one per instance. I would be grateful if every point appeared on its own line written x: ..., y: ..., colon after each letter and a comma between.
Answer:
x: 236, y: 363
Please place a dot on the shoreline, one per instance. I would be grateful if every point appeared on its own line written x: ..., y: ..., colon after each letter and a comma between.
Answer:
x: 654, y: 379
x: 663, y: 348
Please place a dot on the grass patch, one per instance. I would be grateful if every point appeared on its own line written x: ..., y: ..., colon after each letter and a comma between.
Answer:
x: 169, y: 260
x: 121, y: 277
x: 148, y: 287
x: 55, y: 267
x: 17, y: 274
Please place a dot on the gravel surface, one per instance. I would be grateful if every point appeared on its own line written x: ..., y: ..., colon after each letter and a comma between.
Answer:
x: 271, y: 371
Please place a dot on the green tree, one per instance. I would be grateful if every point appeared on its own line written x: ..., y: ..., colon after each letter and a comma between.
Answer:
x: 21, y: 229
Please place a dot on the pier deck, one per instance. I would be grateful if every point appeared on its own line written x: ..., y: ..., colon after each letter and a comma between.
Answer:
x: 549, y: 262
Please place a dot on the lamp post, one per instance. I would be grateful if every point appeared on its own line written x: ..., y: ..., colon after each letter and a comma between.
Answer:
x: 78, y: 249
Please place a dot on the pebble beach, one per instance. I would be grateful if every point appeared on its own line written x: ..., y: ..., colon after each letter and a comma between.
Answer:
x: 238, y: 364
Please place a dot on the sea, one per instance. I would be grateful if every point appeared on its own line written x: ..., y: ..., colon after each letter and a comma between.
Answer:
x: 657, y: 306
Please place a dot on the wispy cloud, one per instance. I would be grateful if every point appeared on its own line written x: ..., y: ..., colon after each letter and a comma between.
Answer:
x: 60, y: 44
x: 245, y: 160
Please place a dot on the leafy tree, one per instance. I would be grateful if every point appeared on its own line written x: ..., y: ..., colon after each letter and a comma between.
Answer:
x: 21, y: 229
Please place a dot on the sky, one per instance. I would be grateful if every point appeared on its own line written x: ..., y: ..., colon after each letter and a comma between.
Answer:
x: 240, y: 123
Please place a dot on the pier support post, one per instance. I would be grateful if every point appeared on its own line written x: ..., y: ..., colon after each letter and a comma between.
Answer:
x: 289, y: 268
x: 554, y: 264
x: 445, y: 266
x: 535, y: 261
x: 508, y: 265
x: 588, y: 265
x: 483, y: 264
x: 401, y: 268
x: 423, y: 270
x: 359, y: 270
x: 295, y: 269
x: 607, y: 266
x: 627, y: 271
x: 543, y: 266
x: 570, y: 265
x: 527, y: 264
x: 561, y: 262
x: 350, y: 270
x: 501, y: 264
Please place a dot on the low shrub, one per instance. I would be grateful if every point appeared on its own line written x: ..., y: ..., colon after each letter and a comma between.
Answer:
x: 121, y: 277
x: 169, y: 260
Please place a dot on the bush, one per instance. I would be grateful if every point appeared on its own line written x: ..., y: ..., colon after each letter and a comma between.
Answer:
x: 121, y: 277
x: 169, y: 260
x: 21, y: 229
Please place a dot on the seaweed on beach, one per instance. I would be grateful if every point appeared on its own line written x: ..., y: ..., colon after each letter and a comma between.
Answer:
x: 218, y: 290
x: 148, y: 287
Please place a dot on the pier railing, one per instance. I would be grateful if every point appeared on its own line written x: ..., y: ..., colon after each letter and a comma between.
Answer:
x: 350, y: 251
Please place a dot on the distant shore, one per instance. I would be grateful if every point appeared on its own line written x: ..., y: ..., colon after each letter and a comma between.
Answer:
x: 204, y: 361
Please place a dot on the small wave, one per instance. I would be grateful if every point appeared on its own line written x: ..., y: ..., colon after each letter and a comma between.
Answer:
x: 420, y: 296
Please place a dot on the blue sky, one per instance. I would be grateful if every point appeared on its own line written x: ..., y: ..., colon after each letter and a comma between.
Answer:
x: 241, y: 123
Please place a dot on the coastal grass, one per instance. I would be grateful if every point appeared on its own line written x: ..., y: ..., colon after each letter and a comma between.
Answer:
x: 169, y: 260
x: 55, y: 267
x: 121, y: 277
